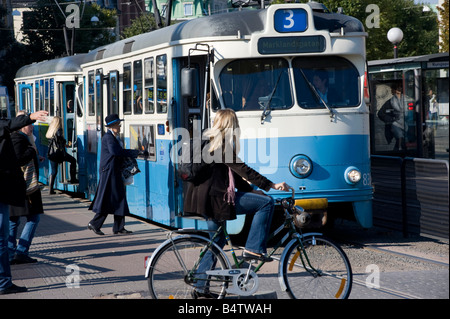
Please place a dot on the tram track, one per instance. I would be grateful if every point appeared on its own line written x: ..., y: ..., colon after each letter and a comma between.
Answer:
x: 391, y: 252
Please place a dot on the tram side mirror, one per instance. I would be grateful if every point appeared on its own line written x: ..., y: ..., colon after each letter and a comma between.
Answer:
x: 188, y: 82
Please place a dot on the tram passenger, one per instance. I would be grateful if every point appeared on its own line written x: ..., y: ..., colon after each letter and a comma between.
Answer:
x: 26, y: 155
x: 392, y: 113
x: 216, y: 198
x: 320, y: 82
x: 110, y: 197
x: 12, y: 191
x: 55, y: 132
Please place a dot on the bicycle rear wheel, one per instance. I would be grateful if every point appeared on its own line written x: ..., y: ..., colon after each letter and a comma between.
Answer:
x: 328, y: 275
x: 171, y: 273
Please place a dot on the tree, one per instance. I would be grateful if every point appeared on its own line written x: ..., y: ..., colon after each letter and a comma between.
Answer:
x: 443, y: 26
x: 144, y: 23
x: 43, y: 28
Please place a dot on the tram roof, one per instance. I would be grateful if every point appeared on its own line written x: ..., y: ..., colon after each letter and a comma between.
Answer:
x: 437, y: 57
x: 245, y: 22
x: 68, y: 64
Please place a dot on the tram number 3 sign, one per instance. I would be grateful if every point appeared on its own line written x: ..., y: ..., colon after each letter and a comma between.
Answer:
x: 291, y: 20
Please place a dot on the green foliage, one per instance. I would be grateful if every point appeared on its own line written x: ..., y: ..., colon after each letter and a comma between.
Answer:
x: 144, y: 23
x: 43, y: 29
x: 420, y: 29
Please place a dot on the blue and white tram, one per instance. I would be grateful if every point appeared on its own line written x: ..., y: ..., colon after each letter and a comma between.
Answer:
x: 294, y: 76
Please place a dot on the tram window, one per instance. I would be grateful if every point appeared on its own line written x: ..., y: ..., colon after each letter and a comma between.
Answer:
x: 394, y: 127
x: 137, y: 87
x: 47, y: 95
x: 127, y: 88
x: 36, y: 95
x: 161, y: 83
x: 41, y: 95
x: 26, y: 99
x: 149, y: 98
x: 91, y: 98
x: 333, y: 79
x: 113, y: 106
x: 51, y: 98
x: 247, y: 84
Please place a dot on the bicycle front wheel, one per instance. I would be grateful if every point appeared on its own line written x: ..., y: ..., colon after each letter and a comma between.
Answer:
x: 178, y: 271
x: 321, y: 270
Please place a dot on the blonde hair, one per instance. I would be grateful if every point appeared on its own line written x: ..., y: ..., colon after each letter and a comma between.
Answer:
x: 225, y: 133
x: 53, y: 127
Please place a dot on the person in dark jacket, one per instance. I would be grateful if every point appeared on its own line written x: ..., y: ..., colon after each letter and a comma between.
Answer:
x: 216, y: 198
x: 32, y: 208
x: 12, y: 191
x: 218, y: 201
x: 110, y: 197
x: 55, y: 132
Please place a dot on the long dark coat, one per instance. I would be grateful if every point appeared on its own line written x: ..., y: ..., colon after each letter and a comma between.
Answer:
x: 110, y: 197
x: 25, y: 152
x: 207, y: 199
x: 12, y: 184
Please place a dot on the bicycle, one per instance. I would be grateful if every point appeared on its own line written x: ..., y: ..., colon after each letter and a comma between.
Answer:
x: 311, y: 266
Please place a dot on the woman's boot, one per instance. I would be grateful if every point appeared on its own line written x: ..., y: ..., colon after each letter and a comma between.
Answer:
x: 50, y: 185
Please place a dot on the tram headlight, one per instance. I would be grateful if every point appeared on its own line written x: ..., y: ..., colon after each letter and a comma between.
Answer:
x: 301, y: 166
x: 352, y: 175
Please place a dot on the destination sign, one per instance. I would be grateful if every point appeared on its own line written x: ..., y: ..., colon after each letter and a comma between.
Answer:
x: 306, y: 44
x: 290, y: 20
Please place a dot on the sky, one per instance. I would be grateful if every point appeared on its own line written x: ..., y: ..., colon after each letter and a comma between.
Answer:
x: 427, y: 1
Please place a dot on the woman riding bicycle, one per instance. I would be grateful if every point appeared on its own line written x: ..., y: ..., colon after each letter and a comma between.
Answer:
x: 216, y: 198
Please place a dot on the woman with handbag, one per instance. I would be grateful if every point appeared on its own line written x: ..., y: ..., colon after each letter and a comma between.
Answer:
x: 27, y: 158
x: 57, y: 152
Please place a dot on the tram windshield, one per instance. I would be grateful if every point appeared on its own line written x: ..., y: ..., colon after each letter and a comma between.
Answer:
x: 248, y: 84
x: 325, y: 82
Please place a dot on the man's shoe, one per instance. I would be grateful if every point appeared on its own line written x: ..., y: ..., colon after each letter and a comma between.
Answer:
x: 97, y: 231
x: 13, y: 290
x: 22, y: 259
x: 123, y: 232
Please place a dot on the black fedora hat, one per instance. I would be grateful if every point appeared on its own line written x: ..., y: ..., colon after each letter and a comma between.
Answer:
x: 111, y: 119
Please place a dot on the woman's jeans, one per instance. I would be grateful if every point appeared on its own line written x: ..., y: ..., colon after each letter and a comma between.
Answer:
x: 27, y: 234
x: 5, y: 270
x: 246, y: 203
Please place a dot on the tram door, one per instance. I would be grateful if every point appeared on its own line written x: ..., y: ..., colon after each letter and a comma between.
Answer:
x: 192, y: 115
x: 68, y: 116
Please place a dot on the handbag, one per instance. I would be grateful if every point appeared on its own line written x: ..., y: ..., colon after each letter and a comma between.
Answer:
x: 129, y: 169
x: 55, y: 153
x: 30, y: 177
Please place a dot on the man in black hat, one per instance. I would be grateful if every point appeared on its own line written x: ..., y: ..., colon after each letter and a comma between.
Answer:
x: 110, y: 197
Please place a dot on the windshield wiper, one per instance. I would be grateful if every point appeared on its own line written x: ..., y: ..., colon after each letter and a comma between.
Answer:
x: 314, y: 90
x: 265, y: 101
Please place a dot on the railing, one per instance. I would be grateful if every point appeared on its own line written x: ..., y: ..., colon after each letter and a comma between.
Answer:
x: 411, y: 195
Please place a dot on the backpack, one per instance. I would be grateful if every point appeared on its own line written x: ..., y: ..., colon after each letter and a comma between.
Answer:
x: 192, y: 168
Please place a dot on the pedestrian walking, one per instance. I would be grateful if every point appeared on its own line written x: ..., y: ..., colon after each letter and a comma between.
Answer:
x: 110, y: 197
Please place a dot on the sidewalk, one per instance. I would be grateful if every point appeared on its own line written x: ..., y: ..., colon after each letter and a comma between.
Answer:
x: 110, y: 266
